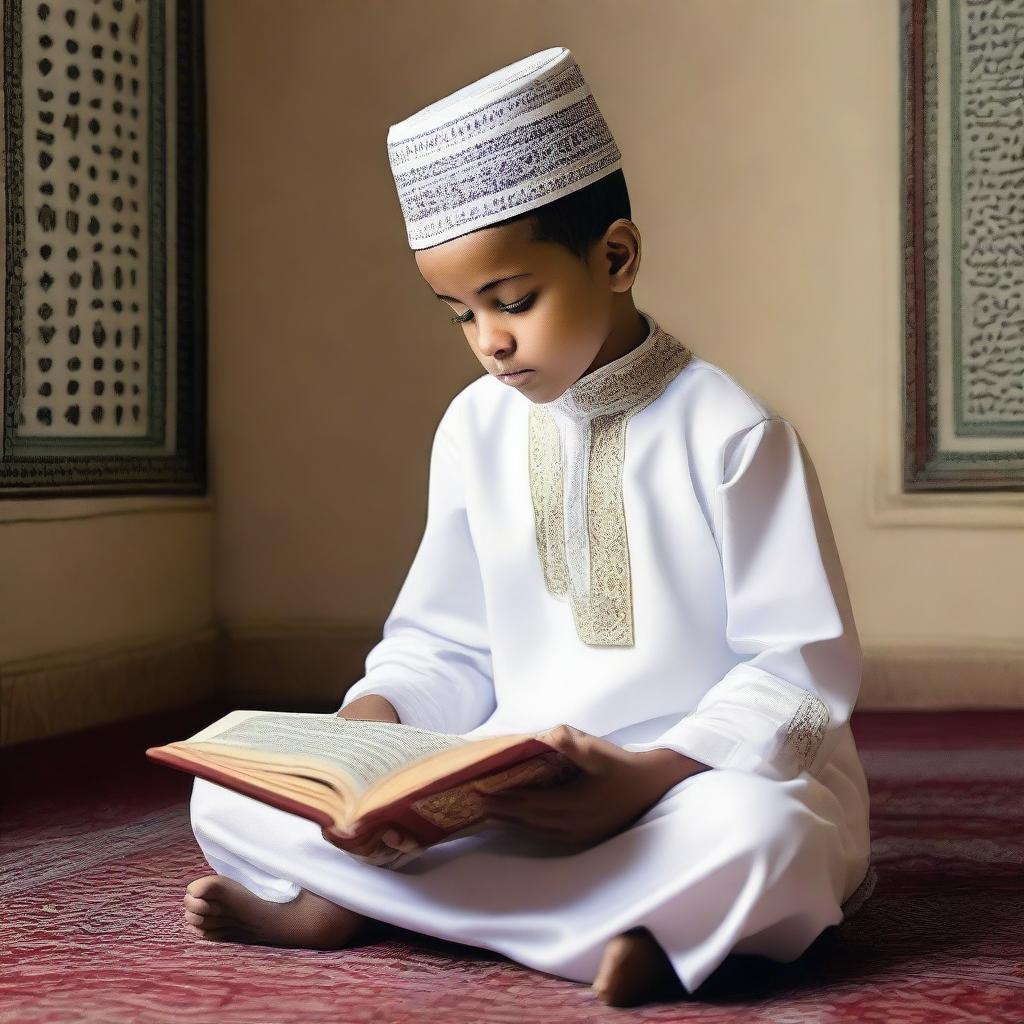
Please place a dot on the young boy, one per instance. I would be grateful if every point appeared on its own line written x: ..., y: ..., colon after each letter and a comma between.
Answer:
x: 624, y: 547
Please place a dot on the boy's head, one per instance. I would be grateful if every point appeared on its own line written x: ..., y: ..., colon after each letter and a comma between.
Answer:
x: 516, y: 179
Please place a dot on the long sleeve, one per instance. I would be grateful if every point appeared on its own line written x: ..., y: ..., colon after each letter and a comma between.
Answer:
x: 434, y: 660
x: 778, y: 711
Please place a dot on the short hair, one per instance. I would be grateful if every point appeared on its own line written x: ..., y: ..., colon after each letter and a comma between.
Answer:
x: 579, y: 219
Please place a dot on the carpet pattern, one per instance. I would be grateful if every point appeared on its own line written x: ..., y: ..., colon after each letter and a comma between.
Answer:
x: 96, y: 850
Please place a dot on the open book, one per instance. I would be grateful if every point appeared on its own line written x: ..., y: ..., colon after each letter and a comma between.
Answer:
x: 357, y: 778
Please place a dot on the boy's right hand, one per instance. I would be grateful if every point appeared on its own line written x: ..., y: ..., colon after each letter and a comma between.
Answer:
x: 392, y: 849
x: 371, y: 707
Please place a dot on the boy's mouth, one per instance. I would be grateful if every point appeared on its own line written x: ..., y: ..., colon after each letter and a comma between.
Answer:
x: 515, y: 377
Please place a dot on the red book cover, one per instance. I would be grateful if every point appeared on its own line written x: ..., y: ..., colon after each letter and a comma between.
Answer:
x: 433, y: 821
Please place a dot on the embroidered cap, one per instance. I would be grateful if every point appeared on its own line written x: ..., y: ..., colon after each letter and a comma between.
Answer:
x: 522, y: 136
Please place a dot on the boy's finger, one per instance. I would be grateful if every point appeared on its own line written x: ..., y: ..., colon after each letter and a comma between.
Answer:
x: 395, y: 839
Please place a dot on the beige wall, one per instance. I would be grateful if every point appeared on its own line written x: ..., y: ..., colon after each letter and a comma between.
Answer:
x: 96, y: 580
x: 761, y: 146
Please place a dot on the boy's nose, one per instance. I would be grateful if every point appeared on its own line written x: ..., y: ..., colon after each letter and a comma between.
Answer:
x: 496, y: 343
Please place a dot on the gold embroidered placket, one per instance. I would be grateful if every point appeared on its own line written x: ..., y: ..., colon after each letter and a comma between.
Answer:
x: 600, y: 404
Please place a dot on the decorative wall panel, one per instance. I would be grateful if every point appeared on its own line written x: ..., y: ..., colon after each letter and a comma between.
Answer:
x: 104, y: 327
x: 963, y: 236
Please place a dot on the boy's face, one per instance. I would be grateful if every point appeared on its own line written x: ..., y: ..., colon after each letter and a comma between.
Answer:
x: 552, y: 319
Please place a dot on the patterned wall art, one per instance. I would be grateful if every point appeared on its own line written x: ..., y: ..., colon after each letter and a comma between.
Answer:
x: 104, y: 362
x: 963, y: 244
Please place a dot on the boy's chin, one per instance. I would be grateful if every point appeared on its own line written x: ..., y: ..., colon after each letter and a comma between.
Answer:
x: 542, y: 399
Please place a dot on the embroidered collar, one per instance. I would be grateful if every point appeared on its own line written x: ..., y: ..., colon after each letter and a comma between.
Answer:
x: 576, y: 471
x: 629, y: 381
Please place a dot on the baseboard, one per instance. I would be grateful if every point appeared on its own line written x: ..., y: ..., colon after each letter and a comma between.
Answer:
x: 74, y: 690
x: 264, y: 664
x: 307, y: 662
x: 938, y: 675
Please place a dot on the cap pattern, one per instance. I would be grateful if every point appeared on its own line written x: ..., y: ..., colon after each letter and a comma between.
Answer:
x: 516, y: 139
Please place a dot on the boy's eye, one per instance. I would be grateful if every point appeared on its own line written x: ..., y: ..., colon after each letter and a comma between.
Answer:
x: 519, y: 306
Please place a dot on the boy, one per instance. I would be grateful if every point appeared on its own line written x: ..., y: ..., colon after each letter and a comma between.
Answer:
x: 700, y: 666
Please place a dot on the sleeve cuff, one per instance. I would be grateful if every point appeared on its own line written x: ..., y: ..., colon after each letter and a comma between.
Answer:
x: 751, y: 721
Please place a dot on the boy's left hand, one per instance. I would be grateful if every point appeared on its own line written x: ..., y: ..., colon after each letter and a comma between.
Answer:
x: 614, y: 788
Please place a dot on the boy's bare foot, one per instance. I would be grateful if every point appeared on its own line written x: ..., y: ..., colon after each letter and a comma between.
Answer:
x: 219, y: 908
x: 634, y: 970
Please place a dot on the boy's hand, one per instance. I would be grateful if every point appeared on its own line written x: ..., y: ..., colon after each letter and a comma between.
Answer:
x: 371, y: 707
x: 392, y: 851
x: 614, y: 788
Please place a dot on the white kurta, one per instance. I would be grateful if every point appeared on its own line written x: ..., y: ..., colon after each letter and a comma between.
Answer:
x: 649, y: 559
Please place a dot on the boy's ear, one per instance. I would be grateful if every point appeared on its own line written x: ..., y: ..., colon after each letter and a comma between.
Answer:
x: 621, y: 245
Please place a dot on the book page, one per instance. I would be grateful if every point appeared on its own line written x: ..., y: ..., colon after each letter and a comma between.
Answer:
x: 364, y: 751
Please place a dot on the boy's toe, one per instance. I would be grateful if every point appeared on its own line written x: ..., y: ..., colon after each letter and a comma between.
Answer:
x: 210, y: 934
x: 207, y: 921
x: 196, y: 905
x: 201, y: 888
x: 215, y: 887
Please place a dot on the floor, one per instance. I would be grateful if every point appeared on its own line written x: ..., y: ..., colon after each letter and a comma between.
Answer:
x: 96, y: 850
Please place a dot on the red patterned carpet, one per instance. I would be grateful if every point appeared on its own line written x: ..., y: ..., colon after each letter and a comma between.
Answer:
x: 96, y: 851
